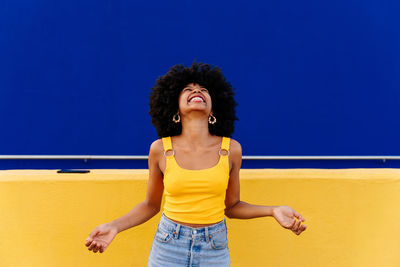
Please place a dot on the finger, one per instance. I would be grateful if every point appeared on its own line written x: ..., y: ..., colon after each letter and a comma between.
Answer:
x: 301, y: 229
x: 97, y: 248
x: 103, y: 247
x: 298, y: 231
x: 298, y: 216
x: 296, y: 225
x: 290, y: 225
x: 88, y: 241
x: 92, y: 246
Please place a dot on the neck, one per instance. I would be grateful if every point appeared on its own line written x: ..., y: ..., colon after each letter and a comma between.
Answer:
x: 195, y: 130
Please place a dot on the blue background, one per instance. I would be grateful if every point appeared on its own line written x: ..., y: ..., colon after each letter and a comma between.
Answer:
x: 311, y: 78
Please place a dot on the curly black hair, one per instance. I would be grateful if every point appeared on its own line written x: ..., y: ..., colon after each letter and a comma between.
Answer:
x: 165, y: 93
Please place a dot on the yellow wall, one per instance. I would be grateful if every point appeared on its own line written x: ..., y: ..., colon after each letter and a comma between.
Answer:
x: 353, y: 218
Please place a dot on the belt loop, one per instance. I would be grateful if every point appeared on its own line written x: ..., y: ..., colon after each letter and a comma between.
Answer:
x: 206, y: 233
x: 178, y: 228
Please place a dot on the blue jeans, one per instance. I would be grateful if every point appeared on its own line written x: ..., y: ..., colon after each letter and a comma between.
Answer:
x: 177, y: 245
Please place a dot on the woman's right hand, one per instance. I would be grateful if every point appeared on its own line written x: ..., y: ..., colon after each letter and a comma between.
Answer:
x: 101, y: 237
x: 289, y: 219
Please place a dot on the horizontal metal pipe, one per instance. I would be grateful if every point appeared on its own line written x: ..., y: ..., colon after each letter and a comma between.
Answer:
x: 144, y: 157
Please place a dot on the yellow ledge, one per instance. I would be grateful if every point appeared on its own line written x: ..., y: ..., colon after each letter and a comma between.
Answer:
x: 352, y: 217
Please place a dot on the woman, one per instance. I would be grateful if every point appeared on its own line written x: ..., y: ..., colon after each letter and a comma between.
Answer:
x: 196, y: 165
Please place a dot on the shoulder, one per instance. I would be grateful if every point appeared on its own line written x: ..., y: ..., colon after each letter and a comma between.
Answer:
x: 156, y: 148
x: 156, y: 154
x: 235, y: 147
x: 235, y: 157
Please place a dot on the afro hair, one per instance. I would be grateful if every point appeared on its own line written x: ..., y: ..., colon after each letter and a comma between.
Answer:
x: 165, y: 93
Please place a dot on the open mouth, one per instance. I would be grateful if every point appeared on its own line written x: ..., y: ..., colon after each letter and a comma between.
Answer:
x: 197, y: 98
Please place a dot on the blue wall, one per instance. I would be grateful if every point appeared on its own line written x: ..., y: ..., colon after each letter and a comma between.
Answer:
x: 311, y: 78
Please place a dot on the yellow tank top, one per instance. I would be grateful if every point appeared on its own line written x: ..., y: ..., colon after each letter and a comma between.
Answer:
x: 195, y: 196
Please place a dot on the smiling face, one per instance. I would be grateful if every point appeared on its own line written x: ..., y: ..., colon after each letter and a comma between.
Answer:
x: 194, y: 97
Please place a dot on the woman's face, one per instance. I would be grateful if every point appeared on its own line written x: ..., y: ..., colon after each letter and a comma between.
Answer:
x: 194, y: 97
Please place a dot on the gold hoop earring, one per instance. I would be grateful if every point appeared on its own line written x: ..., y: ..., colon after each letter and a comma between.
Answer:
x: 176, y: 118
x: 212, y: 119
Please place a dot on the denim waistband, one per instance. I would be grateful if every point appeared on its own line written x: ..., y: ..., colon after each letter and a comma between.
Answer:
x: 183, y: 230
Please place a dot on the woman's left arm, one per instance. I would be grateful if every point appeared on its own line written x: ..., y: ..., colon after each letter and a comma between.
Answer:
x: 235, y: 208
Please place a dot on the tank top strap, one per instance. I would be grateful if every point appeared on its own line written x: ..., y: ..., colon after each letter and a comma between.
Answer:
x: 167, y: 144
x: 225, y: 143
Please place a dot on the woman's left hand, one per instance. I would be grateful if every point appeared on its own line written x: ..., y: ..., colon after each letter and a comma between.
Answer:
x: 289, y: 219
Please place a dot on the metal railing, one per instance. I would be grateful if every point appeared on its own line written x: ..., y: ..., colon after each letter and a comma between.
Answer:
x: 145, y: 157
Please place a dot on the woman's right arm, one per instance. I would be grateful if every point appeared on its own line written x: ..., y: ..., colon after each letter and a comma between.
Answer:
x: 100, y: 238
x: 145, y: 210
